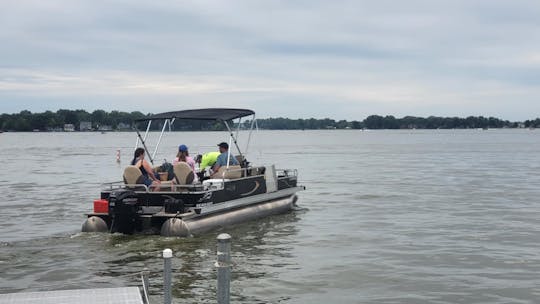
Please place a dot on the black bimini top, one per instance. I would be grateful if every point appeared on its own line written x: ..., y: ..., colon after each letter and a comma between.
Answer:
x: 224, y: 114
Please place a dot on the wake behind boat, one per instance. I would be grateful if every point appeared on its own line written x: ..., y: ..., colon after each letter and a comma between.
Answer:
x: 182, y: 207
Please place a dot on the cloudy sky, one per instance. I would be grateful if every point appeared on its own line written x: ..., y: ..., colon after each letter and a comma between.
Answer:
x: 337, y: 59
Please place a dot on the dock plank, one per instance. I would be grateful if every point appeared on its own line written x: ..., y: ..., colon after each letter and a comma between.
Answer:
x: 120, y: 295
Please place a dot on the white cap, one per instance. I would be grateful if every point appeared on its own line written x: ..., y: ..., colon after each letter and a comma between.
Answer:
x: 167, y: 253
x: 224, y: 237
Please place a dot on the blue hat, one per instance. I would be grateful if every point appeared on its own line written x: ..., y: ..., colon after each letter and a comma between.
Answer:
x: 182, y: 148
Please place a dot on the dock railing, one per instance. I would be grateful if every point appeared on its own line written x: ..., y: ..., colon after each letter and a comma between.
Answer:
x: 223, y: 265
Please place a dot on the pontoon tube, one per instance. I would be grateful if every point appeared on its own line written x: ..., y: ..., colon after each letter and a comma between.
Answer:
x: 198, y: 225
x: 94, y: 224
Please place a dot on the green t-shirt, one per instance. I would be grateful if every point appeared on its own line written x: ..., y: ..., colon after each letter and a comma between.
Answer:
x: 208, y: 160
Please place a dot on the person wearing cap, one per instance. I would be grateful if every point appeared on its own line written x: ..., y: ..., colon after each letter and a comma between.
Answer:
x: 183, y: 156
x: 222, y: 158
x: 206, y: 160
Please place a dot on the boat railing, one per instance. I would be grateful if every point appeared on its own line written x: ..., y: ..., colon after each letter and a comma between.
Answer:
x: 286, y: 173
x: 163, y: 187
x: 228, y: 174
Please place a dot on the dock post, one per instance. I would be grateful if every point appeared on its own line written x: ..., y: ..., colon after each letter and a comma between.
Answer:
x: 167, y: 256
x: 223, y: 266
x: 146, y: 285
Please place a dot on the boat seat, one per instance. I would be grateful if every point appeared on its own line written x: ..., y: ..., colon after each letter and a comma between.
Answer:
x: 243, y: 163
x: 232, y: 172
x: 133, y: 175
x: 183, y: 175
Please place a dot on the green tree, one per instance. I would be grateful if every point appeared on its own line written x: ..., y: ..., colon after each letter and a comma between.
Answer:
x: 374, y: 122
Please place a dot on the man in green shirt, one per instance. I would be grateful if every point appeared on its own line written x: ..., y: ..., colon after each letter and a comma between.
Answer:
x: 207, y: 160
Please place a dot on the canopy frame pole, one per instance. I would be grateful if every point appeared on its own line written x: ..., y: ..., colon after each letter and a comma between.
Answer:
x: 167, y: 121
x: 171, y: 123
x: 231, y: 134
x: 238, y: 129
x: 229, y: 153
x: 145, y: 134
x: 253, y: 121
x: 139, y: 137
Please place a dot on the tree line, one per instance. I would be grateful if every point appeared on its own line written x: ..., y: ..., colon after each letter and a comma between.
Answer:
x: 116, y: 120
x: 391, y: 122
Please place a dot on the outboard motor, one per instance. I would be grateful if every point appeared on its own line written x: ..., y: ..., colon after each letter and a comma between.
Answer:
x: 173, y: 205
x: 123, y: 209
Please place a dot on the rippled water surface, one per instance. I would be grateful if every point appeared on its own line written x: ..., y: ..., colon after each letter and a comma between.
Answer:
x: 415, y: 216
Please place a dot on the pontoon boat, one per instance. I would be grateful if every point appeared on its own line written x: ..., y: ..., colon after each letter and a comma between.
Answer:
x: 181, y: 207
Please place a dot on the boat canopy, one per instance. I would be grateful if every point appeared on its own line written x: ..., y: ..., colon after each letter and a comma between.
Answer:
x: 223, y: 114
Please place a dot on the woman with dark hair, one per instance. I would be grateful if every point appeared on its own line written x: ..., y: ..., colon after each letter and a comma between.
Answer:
x: 146, y: 170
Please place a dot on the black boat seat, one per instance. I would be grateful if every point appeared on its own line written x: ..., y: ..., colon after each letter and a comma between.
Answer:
x: 183, y: 175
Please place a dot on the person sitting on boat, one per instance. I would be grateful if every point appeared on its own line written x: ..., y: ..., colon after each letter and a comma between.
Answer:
x: 183, y: 156
x: 146, y: 170
x: 206, y: 160
x: 222, y: 158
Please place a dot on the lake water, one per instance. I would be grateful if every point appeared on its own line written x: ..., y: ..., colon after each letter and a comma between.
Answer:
x: 438, y: 216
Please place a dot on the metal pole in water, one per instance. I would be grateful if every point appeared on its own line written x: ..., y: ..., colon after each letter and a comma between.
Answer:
x: 167, y: 255
x: 223, y: 266
x: 145, y: 274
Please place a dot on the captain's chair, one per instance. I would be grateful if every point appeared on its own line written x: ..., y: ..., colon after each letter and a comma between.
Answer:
x: 183, y: 175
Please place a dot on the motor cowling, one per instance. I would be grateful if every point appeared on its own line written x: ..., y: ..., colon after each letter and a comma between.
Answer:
x: 173, y: 205
x: 124, y: 211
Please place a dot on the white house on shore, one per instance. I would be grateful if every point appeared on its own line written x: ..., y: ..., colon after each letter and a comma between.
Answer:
x: 105, y: 128
x: 85, y: 126
x: 69, y: 128
x: 123, y: 126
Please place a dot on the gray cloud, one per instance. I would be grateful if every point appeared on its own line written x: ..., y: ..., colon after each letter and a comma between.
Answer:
x: 343, y: 59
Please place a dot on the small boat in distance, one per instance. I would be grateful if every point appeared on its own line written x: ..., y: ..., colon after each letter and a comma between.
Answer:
x: 181, y: 207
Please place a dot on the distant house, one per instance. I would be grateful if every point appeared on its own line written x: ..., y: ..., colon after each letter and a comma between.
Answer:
x: 105, y: 128
x: 123, y: 126
x: 69, y: 128
x: 85, y: 126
